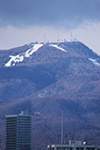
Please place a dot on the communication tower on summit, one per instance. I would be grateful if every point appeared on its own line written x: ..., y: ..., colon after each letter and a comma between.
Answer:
x: 57, y: 38
x: 71, y: 37
x: 44, y: 39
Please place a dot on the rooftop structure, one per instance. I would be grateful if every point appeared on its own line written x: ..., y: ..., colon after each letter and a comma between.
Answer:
x: 73, y: 145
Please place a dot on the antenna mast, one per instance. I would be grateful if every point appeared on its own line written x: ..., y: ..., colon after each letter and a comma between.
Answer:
x: 44, y: 39
x: 57, y: 38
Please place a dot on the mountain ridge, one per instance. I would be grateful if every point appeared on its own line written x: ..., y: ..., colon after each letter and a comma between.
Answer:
x: 34, y: 47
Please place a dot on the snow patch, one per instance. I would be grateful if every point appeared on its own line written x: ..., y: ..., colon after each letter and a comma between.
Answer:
x: 32, y: 50
x: 14, y: 59
x: 58, y: 47
x: 20, y: 57
x: 37, y: 113
x: 94, y: 62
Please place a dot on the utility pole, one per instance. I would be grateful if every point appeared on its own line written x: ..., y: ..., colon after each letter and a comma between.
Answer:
x: 62, y: 131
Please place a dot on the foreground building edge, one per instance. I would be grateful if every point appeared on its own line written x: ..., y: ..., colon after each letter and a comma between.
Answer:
x: 73, y: 145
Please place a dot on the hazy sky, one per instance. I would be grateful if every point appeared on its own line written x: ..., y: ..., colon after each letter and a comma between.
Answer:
x: 25, y: 21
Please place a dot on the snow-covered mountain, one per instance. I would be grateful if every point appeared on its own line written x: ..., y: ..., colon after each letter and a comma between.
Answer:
x: 20, y: 57
x: 45, y: 69
x: 48, y: 79
x: 35, y: 47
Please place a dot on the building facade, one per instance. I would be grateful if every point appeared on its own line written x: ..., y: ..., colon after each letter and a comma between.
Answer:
x: 18, y: 132
x: 0, y: 142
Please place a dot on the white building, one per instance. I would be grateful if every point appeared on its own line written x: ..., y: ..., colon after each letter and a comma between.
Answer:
x: 73, y: 145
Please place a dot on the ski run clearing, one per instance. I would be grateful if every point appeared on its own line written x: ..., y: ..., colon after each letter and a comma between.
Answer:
x: 20, y: 57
